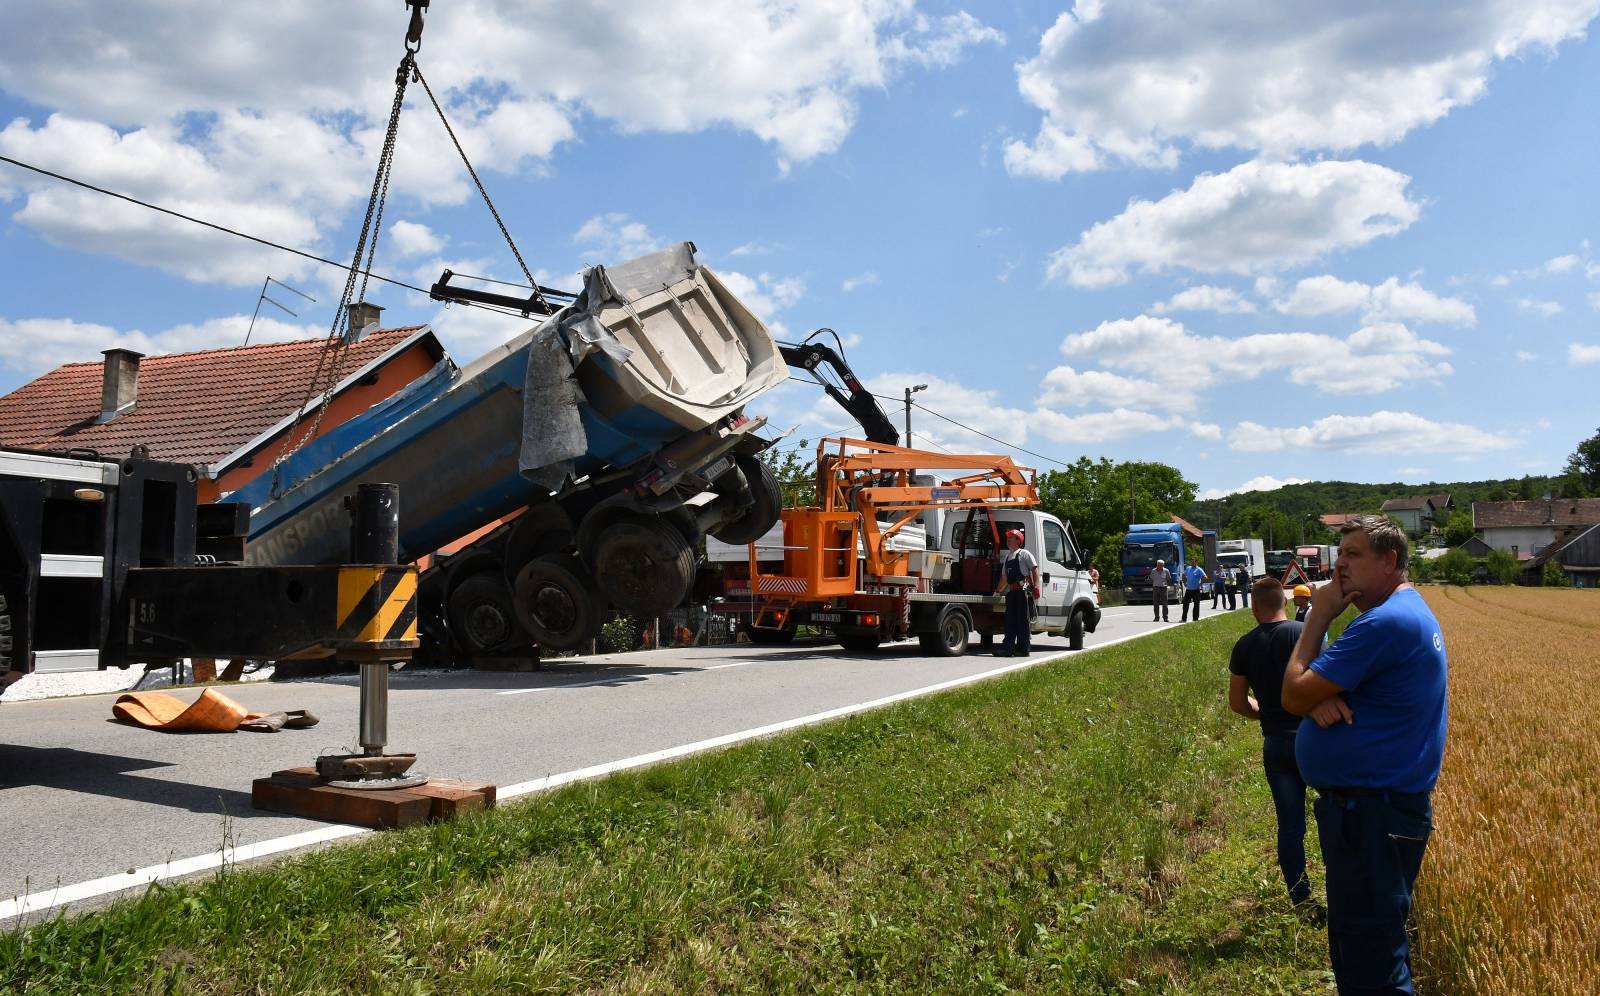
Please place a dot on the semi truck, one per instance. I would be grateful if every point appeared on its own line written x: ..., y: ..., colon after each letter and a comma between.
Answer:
x: 1145, y: 544
x: 1278, y: 562
x: 1247, y: 553
x: 1317, y: 560
x: 843, y: 566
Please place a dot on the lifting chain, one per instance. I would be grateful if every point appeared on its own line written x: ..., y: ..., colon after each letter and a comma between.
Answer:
x: 336, y: 348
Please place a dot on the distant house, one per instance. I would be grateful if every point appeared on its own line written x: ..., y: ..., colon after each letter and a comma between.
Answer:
x: 1476, y: 547
x: 1415, y: 514
x: 1576, y: 550
x: 225, y: 411
x: 1334, y: 520
x: 1526, y: 528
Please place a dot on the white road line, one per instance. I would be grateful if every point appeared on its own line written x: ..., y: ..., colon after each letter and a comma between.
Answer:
x: 62, y: 895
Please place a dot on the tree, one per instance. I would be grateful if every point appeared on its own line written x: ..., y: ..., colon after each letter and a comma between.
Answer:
x: 1583, y: 466
x: 1555, y: 577
x: 1094, y: 496
x: 1502, y: 566
x: 796, y: 473
x: 1265, y: 523
x: 1459, y: 529
x: 1455, y: 567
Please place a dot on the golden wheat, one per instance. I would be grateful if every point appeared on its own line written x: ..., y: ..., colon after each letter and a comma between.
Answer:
x: 1509, y: 897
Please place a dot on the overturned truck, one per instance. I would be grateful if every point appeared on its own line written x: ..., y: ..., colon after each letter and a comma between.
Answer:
x: 585, y: 459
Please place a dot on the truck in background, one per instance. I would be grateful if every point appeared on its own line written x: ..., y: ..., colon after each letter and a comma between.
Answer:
x: 1141, y: 548
x: 1317, y: 560
x: 1278, y: 562
x: 1247, y: 553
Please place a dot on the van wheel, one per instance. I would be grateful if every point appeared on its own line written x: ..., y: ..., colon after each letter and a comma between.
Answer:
x: 950, y: 639
x: 860, y: 642
x: 643, y: 565
x: 1075, y: 631
x: 482, y: 615
x: 557, y: 602
x: 758, y: 518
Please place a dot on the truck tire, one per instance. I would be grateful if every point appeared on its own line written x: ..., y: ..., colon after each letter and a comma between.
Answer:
x: 761, y: 516
x: 1075, y: 630
x: 556, y: 601
x: 643, y: 565
x: 483, y: 616
x: 950, y: 639
x: 863, y: 643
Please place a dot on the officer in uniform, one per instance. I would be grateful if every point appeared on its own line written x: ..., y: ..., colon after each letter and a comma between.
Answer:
x: 1019, y: 581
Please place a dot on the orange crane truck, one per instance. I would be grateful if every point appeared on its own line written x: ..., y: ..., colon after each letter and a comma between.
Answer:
x: 840, y: 572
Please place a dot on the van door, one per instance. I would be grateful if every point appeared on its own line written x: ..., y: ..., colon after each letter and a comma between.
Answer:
x: 1057, y: 576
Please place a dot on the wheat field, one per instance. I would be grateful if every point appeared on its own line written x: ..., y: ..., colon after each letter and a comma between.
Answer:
x: 1509, y: 896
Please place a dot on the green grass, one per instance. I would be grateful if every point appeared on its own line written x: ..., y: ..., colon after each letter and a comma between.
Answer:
x: 1094, y: 825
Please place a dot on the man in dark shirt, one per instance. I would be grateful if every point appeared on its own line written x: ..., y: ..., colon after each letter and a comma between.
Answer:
x: 1259, y: 659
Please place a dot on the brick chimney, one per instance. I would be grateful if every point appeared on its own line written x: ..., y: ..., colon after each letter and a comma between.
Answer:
x: 119, y: 382
x: 362, y: 314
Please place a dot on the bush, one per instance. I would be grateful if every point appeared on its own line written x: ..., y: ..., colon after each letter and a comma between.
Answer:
x: 1502, y: 566
x: 1455, y: 567
x: 618, y: 635
x: 1555, y: 577
x: 1421, y: 570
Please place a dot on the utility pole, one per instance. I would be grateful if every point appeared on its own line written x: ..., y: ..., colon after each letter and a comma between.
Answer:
x: 909, y: 392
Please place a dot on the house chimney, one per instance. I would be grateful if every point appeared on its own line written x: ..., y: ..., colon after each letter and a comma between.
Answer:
x: 362, y: 314
x: 119, y: 382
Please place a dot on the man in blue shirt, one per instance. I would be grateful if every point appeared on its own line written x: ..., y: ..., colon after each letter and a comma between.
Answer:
x: 1378, y: 698
x: 1192, y: 578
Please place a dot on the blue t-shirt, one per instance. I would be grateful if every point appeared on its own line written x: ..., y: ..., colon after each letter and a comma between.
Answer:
x: 1192, y: 576
x: 1390, y: 661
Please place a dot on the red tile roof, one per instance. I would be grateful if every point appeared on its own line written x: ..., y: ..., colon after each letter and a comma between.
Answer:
x: 190, y: 407
x: 1333, y: 520
x: 1539, y: 512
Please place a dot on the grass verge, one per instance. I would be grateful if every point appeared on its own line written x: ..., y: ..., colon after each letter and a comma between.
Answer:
x: 1097, y: 824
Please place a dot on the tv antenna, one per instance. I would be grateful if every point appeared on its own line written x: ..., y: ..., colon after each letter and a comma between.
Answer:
x: 263, y: 297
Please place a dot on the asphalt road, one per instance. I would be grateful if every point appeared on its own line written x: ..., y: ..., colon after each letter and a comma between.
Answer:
x: 84, y: 798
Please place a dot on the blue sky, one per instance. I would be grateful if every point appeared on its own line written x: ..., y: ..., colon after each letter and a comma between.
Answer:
x: 1260, y: 242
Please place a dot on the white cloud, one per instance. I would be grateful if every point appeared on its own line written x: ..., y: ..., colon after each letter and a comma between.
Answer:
x: 615, y: 238
x: 413, y: 239
x: 1135, y: 83
x: 752, y: 249
x: 1583, y: 354
x: 1388, y: 301
x: 976, y: 408
x: 1065, y: 387
x: 32, y: 346
x: 1119, y: 423
x: 1546, y: 308
x: 1562, y: 264
x: 1266, y: 482
x: 1525, y: 356
x: 1381, y: 432
x: 1373, y: 359
x: 765, y: 294
x: 868, y: 279
x: 1256, y: 217
x: 1222, y: 300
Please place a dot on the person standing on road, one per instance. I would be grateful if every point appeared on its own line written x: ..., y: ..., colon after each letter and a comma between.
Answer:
x: 1019, y: 580
x: 1218, y: 581
x: 1375, y: 761
x: 1302, y: 601
x: 1259, y: 660
x: 1193, y: 577
x: 1241, y: 580
x: 1228, y: 579
x: 1160, y: 578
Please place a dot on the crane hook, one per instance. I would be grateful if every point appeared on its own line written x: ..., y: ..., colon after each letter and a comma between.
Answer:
x: 414, y: 30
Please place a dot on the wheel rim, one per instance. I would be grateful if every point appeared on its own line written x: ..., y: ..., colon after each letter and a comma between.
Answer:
x: 553, y: 609
x: 955, y: 631
x: 488, y: 624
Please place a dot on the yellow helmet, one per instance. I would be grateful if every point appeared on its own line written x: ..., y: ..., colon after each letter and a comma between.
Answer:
x: 1302, y: 589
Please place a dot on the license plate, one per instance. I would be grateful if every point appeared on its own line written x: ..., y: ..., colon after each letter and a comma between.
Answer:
x: 828, y: 617
x: 717, y: 469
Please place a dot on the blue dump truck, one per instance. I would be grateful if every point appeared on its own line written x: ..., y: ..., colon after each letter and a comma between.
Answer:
x: 607, y: 440
x: 1147, y: 543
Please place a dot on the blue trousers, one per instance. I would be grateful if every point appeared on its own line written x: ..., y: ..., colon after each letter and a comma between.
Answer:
x: 1289, y: 800
x: 1372, y: 846
x: 1017, y: 636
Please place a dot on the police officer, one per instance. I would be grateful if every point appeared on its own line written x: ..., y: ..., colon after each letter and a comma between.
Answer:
x: 1019, y: 581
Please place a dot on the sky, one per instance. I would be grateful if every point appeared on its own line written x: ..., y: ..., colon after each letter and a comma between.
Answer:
x: 1261, y: 241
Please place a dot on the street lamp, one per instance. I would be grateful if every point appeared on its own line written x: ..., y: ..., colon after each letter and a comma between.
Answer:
x: 909, y: 392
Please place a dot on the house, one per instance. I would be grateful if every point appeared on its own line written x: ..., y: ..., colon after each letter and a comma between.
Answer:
x: 1415, y: 514
x: 1576, y: 550
x: 1526, y: 528
x: 225, y: 411
x: 1335, y: 520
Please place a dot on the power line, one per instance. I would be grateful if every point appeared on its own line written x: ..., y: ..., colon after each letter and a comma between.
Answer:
x: 245, y: 235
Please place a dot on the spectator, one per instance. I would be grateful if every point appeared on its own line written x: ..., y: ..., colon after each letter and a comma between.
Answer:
x: 1242, y: 582
x: 1160, y: 578
x: 1302, y: 601
x: 1094, y: 577
x: 1019, y: 584
x: 1193, y: 578
x: 1375, y: 759
x: 1229, y: 581
x: 1259, y: 660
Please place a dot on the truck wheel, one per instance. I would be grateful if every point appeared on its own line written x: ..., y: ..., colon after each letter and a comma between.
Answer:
x: 950, y: 639
x: 759, y: 517
x: 482, y: 614
x: 860, y: 642
x: 768, y: 637
x: 1075, y: 631
x: 643, y: 565
x: 556, y: 601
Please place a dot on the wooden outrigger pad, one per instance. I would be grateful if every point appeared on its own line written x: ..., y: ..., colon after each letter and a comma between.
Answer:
x: 299, y: 792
